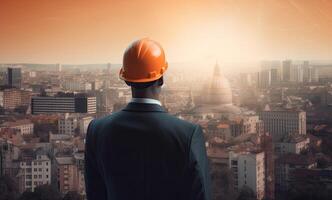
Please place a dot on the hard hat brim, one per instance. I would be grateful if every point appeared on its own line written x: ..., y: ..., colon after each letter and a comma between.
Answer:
x: 144, y: 80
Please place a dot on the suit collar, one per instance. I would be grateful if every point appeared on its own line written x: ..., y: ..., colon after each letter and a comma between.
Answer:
x: 145, y: 100
x: 143, y: 107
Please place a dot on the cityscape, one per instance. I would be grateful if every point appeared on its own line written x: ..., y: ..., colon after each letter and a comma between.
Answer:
x: 255, y: 75
x: 268, y: 133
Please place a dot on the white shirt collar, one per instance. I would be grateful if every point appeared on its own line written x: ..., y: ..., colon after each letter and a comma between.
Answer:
x: 145, y: 100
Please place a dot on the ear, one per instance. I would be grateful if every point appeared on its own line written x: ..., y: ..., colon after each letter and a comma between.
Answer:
x: 161, y: 81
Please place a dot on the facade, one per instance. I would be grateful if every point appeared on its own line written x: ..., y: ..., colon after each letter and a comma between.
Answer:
x: 14, y: 77
x: 8, y: 153
x: 249, y: 170
x: 293, y: 144
x: 275, y: 76
x: 68, y: 174
x: 76, y: 85
x: 283, y: 123
x: 310, y: 74
x: 289, y: 163
x: 296, y: 73
x: 286, y: 70
x: 245, y: 125
x: 34, y: 171
x: 25, y: 127
x: 265, y: 79
x: 44, y: 105
x: 13, y: 98
x: 67, y: 124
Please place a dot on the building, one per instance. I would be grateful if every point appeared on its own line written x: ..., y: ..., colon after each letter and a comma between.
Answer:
x: 76, y: 85
x: 216, y: 99
x: 292, y: 144
x: 9, y: 152
x: 12, y: 98
x: 58, y: 67
x: 14, y: 77
x: 79, y: 161
x: 310, y: 73
x: 245, y: 125
x: 68, y: 174
x: 283, y: 123
x: 84, y: 123
x: 67, y: 124
x: 4, y: 77
x: 265, y: 79
x: 286, y: 70
x: 296, y: 73
x: 266, y: 145
x: 58, y: 104
x: 25, y: 126
x: 287, y: 164
x: 275, y: 76
x: 35, y: 170
x: 249, y: 170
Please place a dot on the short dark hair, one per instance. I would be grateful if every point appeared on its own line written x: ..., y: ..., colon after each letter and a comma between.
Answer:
x: 160, y: 81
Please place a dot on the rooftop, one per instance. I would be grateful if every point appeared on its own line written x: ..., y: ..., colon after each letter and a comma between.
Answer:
x: 64, y: 160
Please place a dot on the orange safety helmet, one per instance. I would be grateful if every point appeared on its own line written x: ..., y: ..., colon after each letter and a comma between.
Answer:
x: 143, y: 61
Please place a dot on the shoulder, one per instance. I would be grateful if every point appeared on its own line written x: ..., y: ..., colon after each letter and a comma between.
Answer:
x: 99, y: 122
x: 179, y: 126
x: 181, y: 122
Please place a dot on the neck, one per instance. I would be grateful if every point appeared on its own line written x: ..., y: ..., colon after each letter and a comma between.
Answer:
x: 144, y: 94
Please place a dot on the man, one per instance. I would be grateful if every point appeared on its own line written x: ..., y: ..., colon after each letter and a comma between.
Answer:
x: 141, y: 152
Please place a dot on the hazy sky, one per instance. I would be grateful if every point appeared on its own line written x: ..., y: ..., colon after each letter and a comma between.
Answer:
x: 97, y: 31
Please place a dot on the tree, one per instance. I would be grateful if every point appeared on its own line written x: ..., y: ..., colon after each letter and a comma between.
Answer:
x: 72, y: 195
x: 8, y: 189
x: 43, y: 192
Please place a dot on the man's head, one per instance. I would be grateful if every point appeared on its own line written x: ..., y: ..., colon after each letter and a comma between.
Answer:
x: 143, y: 67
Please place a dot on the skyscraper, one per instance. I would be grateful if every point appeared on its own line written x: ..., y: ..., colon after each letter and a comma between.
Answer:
x: 286, y: 70
x: 14, y: 77
x: 58, y: 67
x: 275, y: 76
x: 265, y: 78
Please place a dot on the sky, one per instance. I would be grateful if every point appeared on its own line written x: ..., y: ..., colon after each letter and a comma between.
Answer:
x: 98, y: 31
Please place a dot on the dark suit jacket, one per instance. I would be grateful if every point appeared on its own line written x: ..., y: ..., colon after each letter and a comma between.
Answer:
x: 144, y: 153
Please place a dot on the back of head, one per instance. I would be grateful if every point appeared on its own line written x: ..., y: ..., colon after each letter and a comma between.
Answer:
x: 143, y: 63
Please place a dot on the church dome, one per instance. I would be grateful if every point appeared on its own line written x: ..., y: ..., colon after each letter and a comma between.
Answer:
x: 219, y: 91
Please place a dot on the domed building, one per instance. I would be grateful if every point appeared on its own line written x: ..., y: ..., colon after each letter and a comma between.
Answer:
x: 217, y: 98
x: 219, y: 91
